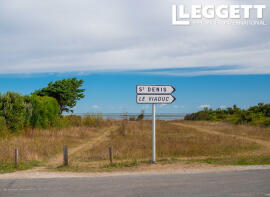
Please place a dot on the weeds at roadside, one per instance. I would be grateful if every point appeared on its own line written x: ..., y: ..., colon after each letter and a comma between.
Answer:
x: 122, y: 164
x: 256, y: 160
x: 10, y: 167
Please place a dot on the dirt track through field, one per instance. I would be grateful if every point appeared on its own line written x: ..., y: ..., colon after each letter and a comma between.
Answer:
x: 58, y: 159
x: 213, y: 132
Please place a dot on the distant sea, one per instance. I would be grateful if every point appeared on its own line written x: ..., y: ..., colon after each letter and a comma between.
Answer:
x: 147, y: 116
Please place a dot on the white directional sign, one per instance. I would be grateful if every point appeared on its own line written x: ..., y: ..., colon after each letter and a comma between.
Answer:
x: 154, y: 94
x: 155, y: 89
x: 155, y: 99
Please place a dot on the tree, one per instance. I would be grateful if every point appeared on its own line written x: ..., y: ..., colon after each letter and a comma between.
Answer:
x: 67, y: 92
x: 230, y: 110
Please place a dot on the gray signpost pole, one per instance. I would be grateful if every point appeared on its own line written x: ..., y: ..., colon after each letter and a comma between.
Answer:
x: 153, y: 133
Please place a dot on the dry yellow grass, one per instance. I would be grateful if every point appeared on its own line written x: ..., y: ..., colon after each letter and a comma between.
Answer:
x: 227, y: 128
x: 178, y: 140
x: 39, y: 145
x: 172, y: 142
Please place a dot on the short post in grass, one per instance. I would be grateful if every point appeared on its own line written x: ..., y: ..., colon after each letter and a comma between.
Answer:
x: 16, y: 157
x: 124, y: 123
x: 111, y: 154
x: 65, y: 155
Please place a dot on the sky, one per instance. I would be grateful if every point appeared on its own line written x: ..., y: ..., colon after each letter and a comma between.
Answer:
x: 114, y: 45
x: 116, y: 92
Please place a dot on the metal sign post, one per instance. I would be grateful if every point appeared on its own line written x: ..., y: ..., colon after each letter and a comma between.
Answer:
x: 153, y: 133
x: 154, y: 94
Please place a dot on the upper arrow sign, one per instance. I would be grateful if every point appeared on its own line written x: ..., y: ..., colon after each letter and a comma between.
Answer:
x: 155, y: 89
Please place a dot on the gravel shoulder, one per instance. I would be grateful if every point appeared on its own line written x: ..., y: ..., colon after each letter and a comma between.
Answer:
x: 156, y: 169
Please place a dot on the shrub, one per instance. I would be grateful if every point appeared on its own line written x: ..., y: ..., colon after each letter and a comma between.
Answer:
x: 88, y: 120
x: 244, y: 117
x: 13, y: 109
x: 267, y: 123
x: 255, y: 115
x: 44, y: 111
x: 140, y: 116
x: 92, y: 120
x: 28, y: 111
x: 61, y: 122
x: 2, y: 124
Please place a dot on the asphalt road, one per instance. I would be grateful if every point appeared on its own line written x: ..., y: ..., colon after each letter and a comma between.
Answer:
x: 236, y: 183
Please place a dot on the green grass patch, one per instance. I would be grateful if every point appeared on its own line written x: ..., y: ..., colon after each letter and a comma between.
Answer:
x: 122, y: 164
x: 117, y: 165
x: 10, y: 167
x: 256, y: 160
x: 99, y: 168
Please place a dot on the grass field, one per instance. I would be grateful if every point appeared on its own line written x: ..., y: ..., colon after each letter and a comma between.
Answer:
x: 259, y: 135
x: 38, y: 147
x: 242, y: 130
x: 177, y: 141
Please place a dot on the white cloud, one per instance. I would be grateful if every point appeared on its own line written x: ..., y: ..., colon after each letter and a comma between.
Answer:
x: 146, y: 107
x: 205, y: 106
x: 95, y: 106
x: 162, y: 105
x: 178, y: 107
x: 107, y: 35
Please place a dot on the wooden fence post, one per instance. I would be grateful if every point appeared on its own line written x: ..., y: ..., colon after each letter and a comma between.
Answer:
x: 16, y: 157
x: 111, y: 154
x: 65, y: 155
x: 124, y: 123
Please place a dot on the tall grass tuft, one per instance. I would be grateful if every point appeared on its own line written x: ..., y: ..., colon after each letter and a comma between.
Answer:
x: 89, y: 120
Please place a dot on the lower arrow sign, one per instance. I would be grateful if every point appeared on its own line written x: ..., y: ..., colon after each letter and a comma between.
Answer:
x: 155, y: 99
